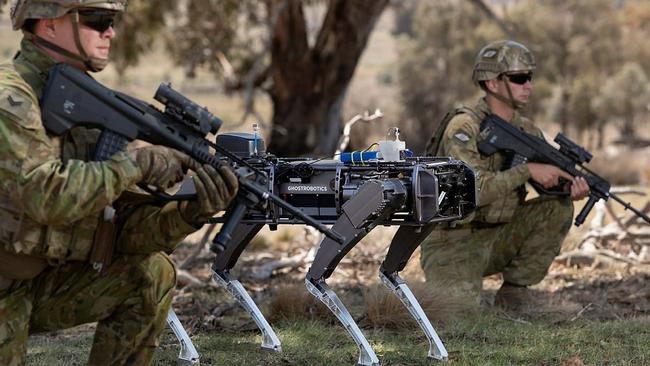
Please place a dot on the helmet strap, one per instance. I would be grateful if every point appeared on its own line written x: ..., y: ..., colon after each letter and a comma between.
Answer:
x: 510, y: 100
x: 49, y: 45
x: 513, y: 103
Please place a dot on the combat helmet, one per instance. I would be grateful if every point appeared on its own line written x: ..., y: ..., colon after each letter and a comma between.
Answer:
x: 23, y: 10
x: 499, y: 58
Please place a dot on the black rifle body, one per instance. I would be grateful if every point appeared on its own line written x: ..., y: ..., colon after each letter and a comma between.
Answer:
x: 521, y: 147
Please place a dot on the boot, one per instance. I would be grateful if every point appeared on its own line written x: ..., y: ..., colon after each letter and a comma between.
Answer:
x: 514, y: 298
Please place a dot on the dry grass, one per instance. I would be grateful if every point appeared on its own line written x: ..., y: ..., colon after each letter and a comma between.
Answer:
x: 293, y: 301
x: 384, y: 310
x: 259, y: 242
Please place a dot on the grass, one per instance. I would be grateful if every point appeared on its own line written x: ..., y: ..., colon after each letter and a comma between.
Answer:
x: 488, y: 338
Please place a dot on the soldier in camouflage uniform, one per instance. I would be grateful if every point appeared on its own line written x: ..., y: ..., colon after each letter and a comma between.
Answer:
x: 507, y: 234
x: 77, y: 243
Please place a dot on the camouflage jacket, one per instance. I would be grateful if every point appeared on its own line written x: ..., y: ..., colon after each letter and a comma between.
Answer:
x: 499, y: 190
x: 51, y: 195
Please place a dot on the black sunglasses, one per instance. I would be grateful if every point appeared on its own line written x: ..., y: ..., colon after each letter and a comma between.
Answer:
x: 520, y: 79
x: 97, y: 19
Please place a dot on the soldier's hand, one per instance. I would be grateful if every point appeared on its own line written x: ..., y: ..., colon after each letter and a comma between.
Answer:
x: 547, y: 175
x: 215, y: 189
x: 160, y: 166
x: 579, y: 188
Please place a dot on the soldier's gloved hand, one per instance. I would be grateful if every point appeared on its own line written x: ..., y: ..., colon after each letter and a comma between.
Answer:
x: 215, y: 189
x: 160, y: 166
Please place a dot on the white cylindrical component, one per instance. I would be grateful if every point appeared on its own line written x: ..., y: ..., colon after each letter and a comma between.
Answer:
x: 390, y: 150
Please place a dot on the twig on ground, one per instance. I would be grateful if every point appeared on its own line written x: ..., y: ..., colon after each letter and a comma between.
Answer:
x: 186, y: 279
x: 265, y: 271
x: 304, y: 258
x: 198, y: 248
x: 506, y: 316
x: 579, y: 313
x: 588, y: 257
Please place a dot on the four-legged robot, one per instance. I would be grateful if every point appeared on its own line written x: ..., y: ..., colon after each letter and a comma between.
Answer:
x: 416, y: 193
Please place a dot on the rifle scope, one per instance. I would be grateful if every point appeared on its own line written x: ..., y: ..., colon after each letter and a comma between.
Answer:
x: 576, y: 152
x: 196, y: 116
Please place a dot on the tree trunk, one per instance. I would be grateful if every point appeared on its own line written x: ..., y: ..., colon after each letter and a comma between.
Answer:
x: 564, y: 109
x: 628, y: 134
x: 309, y: 83
x: 601, y: 134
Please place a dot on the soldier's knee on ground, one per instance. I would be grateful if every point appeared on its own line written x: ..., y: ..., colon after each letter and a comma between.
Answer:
x: 159, y: 275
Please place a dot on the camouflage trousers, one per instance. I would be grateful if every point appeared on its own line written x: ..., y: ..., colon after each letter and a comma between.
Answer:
x: 456, y: 260
x: 129, y: 301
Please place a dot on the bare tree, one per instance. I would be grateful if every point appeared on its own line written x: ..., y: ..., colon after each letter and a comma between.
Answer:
x: 265, y: 45
x: 310, y: 82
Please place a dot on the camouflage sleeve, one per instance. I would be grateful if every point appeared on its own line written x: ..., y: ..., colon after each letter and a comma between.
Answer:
x: 460, y: 142
x: 149, y: 228
x: 49, y: 191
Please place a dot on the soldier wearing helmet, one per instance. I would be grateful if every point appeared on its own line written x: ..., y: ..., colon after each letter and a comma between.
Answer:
x: 77, y: 243
x: 96, y: 15
x: 507, y: 234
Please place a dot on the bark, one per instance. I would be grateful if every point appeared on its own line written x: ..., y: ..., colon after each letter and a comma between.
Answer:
x: 309, y: 83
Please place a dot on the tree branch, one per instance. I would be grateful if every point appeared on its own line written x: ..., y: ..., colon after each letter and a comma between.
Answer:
x: 506, y: 28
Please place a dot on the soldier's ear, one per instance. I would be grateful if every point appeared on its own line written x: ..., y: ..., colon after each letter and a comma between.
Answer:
x: 492, y: 85
x: 45, y: 28
x: 53, y: 28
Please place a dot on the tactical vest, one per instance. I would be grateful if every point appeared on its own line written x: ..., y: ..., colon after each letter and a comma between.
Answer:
x: 499, y: 211
x: 27, y: 246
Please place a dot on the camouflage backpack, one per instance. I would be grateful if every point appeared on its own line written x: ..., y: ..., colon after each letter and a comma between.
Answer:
x: 433, y: 145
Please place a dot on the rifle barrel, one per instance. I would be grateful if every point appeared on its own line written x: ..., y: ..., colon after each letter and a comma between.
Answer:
x: 628, y: 206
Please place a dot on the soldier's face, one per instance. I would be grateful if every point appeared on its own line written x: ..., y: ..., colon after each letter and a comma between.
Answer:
x: 521, y: 86
x: 94, y: 42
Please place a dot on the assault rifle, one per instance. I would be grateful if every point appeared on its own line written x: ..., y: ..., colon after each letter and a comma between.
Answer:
x: 521, y: 147
x: 415, y: 193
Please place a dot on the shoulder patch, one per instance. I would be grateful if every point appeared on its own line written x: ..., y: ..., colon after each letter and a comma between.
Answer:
x: 18, y: 107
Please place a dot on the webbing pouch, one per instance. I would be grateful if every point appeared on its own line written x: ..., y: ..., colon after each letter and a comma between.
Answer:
x: 103, y: 245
